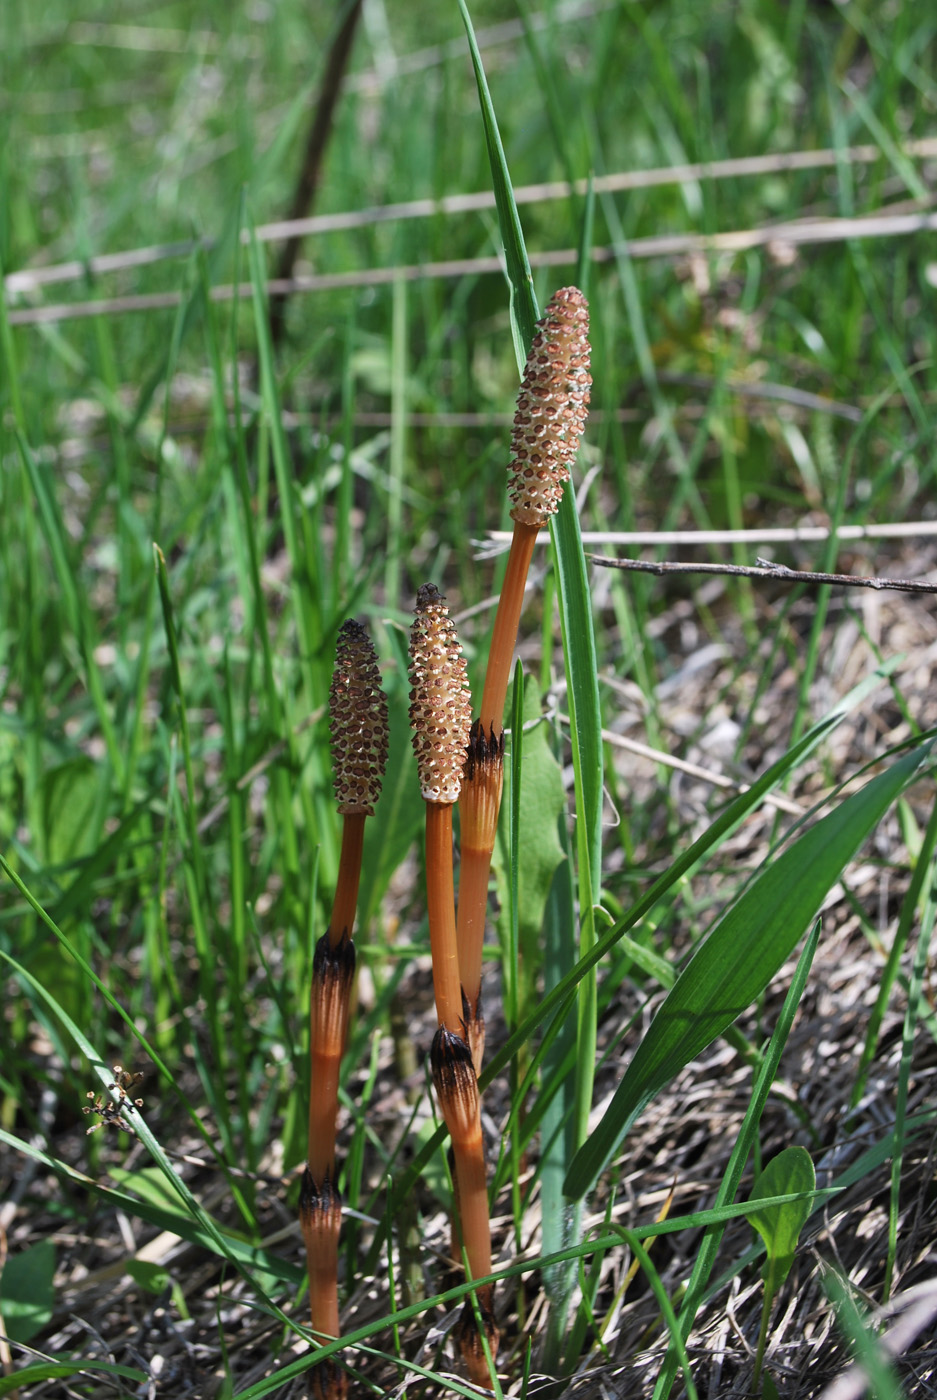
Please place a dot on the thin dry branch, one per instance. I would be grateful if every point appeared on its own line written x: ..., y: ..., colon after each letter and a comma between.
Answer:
x: 693, y: 770
x: 800, y: 233
x: 796, y: 233
x: 764, y: 568
x: 497, y: 540
x: 31, y: 279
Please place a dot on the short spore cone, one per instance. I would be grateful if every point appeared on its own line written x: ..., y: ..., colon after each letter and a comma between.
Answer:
x: 440, y: 704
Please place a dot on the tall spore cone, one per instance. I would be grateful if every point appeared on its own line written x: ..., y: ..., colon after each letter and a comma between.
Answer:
x: 440, y: 717
x: 551, y: 408
x: 548, y: 424
x: 357, y: 722
x: 358, y: 726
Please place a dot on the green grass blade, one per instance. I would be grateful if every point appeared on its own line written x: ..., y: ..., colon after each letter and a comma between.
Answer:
x: 708, y: 1251
x: 165, y: 1218
x: 75, y: 607
x: 718, y: 983
x: 523, y: 301
x: 883, y: 1382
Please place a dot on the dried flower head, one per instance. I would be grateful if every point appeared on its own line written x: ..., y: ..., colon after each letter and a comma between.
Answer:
x: 441, y: 707
x: 358, y: 722
x: 551, y: 408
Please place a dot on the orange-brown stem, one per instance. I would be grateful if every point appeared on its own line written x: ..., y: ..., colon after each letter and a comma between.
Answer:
x: 479, y: 804
x: 474, y: 872
x: 349, y: 876
x: 333, y: 972
x: 440, y: 903
x: 469, y: 1338
x: 457, y: 1092
x: 507, y: 619
x: 320, y: 1216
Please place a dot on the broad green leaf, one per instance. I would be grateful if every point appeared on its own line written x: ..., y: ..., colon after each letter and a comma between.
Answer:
x: 26, y: 1293
x: 780, y: 1226
x: 769, y: 1390
x: 738, y: 959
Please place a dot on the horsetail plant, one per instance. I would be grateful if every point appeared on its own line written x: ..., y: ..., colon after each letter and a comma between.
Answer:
x: 552, y: 406
x: 440, y: 716
x: 358, y: 724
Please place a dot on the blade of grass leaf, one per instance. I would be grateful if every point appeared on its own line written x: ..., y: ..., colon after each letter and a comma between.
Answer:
x: 524, y: 309
x: 708, y: 1250
x: 78, y: 615
x: 910, y: 905
x: 717, y: 984
x: 55, y: 1370
x: 196, y: 878
x: 146, y: 1046
x: 879, y: 1370
x: 307, y: 632
x: 908, y: 1040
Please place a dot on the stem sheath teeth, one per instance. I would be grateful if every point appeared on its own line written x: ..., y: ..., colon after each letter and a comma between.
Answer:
x: 333, y: 971
x: 456, y: 1087
x: 470, y: 1342
x: 320, y: 1216
x: 332, y: 977
x: 483, y: 779
x: 320, y: 1207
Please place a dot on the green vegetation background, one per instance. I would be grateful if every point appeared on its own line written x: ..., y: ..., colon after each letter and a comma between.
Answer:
x: 164, y: 775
